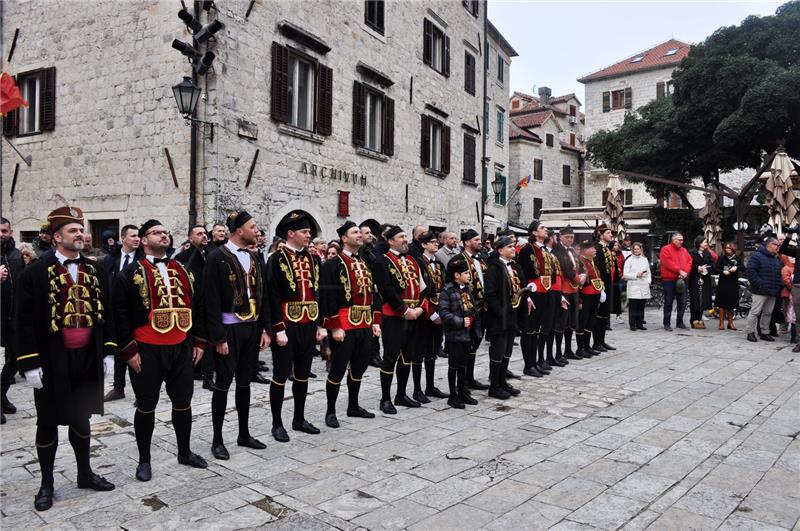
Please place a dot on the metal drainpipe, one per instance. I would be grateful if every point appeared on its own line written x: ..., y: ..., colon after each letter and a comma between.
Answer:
x: 193, y: 142
x: 484, y: 160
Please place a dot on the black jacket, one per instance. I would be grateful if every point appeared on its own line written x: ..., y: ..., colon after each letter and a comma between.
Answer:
x: 12, y: 259
x: 389, y: 286
x: 453, y: 310
x: 111, y: 263
x: 501, y: 316
x: 283, y: 287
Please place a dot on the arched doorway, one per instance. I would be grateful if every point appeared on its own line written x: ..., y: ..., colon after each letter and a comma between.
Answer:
x: 315, y: 227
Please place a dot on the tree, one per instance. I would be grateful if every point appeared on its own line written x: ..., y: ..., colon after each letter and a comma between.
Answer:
x: 736, y: 94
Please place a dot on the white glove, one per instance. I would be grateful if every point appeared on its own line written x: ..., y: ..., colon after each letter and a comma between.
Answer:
x: 34, y: 378
x: 108, y: 365
x: 532, y: 287
x: 602, y: 297
x: 434, y: 316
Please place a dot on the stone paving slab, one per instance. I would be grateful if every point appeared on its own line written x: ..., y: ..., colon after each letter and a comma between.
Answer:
x: 689, y: 430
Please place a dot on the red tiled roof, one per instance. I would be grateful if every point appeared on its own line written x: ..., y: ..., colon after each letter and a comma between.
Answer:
x: 517, y: 132
x: 534, y: 119
x: 565, y: 97
x: 651, y: 59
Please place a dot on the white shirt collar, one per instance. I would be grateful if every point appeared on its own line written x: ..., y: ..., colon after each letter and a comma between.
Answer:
x: 61, y: 258
x: 348, y: 253
x: 291, y: 248
x: 232, y: 247
x: 396, y: 253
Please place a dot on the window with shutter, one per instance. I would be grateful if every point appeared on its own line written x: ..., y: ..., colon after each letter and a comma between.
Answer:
x: 606, y: 101
x: 537, y: 207
x: 388, y: 126
x: 427, y: 42
x: 445, y: 166
x: 47, y: 113
x: 618, y: 99
x: 279, y: 93
x: 500, y: 198
x: 549, y: 140
x: 325, y: 101
x: 629, y: 196
x: 435, y: 48
x: 501, y: 68
x: 469, y: 158
x: 446, y: 56
x: 628, y: 98
x: 501, y: 114
x: 538, y: 169
x: 471, y: 6
x: 358, y: 114
x: 425, y: 143
x: 565, y: 174
x: 572, y: 139
x: 469, y: 73
x: 29, y: 119
x: 10, y: 124
x: 605, y: 197
x: 374, y: 15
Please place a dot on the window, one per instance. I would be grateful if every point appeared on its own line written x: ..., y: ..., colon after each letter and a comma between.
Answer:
x: 573, y: 111
x: 549, y: 140
x: 38, y: 89
x: 469, y: 158
x: 605, y: 197
x: 637, y: 59
x: 469, y: 73
x: 565, y: 174
x: 538, y: 167
x: 537, y: 207
x: 664, y: 88
x: 301, y: 91
x: 471, y: 6
x: 501, y: 66
x: 617, y: 99
x: 566, y: 204
x: 373, y: 119
x: 501, y: 114
x: 436, y: 48
x: 673, y: 51
x: 674, y: 201
x: 435, y: 145
x: 627, y: 196
x: 373, y: 15
x: 500, y: 198
x: 515, y: 104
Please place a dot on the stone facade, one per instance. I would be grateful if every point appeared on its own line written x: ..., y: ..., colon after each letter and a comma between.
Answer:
x: 116, y: 114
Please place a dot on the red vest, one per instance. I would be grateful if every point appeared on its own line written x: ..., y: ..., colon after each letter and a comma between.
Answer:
x: 170, y: 309
x: 358, y: 292
x: 594, y: 284
x: 407, y: 271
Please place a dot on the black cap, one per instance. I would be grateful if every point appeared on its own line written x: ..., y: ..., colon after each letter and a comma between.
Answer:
x: 426, y: 237
x: 294, y: 221
x: 392, y: 231
x: 502, y: 241
x: 567, y: 230
x: 237, y: 219
x: 468, y: 234
x: 341, y: 231
x: 585, y: 244
x: 149, y: 224
x: 457, y: 265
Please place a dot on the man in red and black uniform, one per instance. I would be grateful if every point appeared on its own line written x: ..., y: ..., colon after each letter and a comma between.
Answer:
x: 592, y: 293
x: 237, y: 317
x: 65, y: 344
x: 157, y: 324
x: 293, y: 278
x: 606, y: 263
x: 352, y: 316
x: 477, y: 269
x: 571, y: 280
x: 397, y: 276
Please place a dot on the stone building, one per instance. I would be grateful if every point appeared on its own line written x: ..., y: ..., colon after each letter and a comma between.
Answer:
x: 361, y: 110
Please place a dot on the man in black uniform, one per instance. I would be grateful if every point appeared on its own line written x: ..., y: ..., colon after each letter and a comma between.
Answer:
x: 397, y: 276
x: 11, y: 266
x: 155, y: 318
x: 65, y: 344
x: 352, y: 316
x: 293, y: 277
x: 477, y: 268
x: 237, y: 320
x: 607, y: 267
x: 369, y: 255
x: 504, y: 283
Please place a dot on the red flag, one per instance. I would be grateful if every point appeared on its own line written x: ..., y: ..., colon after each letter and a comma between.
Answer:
x: 10, y: 98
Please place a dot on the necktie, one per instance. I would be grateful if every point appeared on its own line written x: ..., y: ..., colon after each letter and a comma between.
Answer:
x: 157, y: 261
x: 127, y: 261
x: 69, y: 261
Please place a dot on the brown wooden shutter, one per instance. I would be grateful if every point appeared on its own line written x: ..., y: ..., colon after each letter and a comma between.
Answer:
x: 10, y: 124
x: 47, y: 110
x: 659, y: 90
x: 445, y: 149
x: 538, y: 169
x: 359, y: 126
x: 606, y: 101
x: 475, y: 8
x: 279, y: 94
x: 388, y: 126
x: 425, y: 143
x: 446, y: 56
x: 628, y: 98
x: 469, y: 72
x: 427, y: 42
x: 325, y: 101
x: 469, y: 158
x: 629, y: 196
x: 605, y: 197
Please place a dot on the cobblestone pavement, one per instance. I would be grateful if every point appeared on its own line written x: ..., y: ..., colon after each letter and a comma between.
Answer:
x: 681, y: 430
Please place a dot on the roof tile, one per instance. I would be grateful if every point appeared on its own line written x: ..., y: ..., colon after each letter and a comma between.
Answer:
x: 655, y: 57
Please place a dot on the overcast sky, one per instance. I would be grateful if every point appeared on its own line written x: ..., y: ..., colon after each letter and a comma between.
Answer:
x: 558, y: 42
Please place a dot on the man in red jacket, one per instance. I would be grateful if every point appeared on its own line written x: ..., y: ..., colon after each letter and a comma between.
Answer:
x: 675, y: 265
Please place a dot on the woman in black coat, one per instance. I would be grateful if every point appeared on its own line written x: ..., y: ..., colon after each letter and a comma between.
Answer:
x: 729, y: 267
x: 700, y: 283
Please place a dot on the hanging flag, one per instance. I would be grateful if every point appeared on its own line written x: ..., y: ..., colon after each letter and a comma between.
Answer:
x: 524, y: 182
x: 10, y: 98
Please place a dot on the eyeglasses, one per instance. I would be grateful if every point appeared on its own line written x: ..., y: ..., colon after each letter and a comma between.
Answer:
x: 159, y: 233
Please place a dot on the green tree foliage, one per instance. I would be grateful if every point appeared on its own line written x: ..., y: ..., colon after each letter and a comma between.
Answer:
x: 736, y: 94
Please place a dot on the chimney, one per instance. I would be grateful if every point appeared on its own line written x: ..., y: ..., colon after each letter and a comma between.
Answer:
x: 544, y: 94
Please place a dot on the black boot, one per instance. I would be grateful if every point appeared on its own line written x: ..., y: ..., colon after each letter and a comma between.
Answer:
x: 507, y: 387
x: 453, y: 401
x: 472, y: 383
x: 550, y: 359
x: 541, y: 365
x: 559, y: 356
x: 495, y: 388
x: 461, y: 385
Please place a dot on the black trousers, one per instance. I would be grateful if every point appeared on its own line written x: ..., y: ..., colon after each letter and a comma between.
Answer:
x: 568, y: 319
x: 400, y: 343
x: 501, y: 346
x: 10, y: 366
x: 636, y: 311
x: 354, y: 352
x: 293, y: 358
x: 242, y: 359
x: 588, y: 316
x: 426, y: 336
x: 542, y: 318
x: 456, y: 354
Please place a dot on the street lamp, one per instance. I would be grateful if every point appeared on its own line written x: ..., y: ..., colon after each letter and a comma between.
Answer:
x: 186, y: 95
x: 497, y: 186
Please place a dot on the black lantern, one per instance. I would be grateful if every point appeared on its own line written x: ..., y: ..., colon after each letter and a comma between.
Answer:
x: 186, y: 96
x: 497, y: 186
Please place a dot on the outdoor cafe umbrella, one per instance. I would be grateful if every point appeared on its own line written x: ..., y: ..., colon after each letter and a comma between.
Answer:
x: 614, y: 208
x: 782, y: 203
x: 711, y: 214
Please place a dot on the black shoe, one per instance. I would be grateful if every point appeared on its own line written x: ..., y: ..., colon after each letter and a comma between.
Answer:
x: 599, y: 348
x: 435, y: 392
x: 360, y: 412
x: 43, y: 499
x: 193, y: 460
x: 511, y: 376
x: 633, y: 328
x: 545, y: 366
x: 644, y: 322
x: 531, y: 371
x: 608, y: 328
x: 499, y: 392
x: 774, y: 334
x: 766, y: 337
x: 420, y: 397
x: 388, y: 408
x: 477, y: 385
x: 311, y: 374
x: 608, y: 347
x: 556, y: 363
x: 262, y: 363
x: 263, y: 368
x: 540, y: 367
x: 467, y: 399
x: 115, y: 394
x: 640, y: 327
x: 207, y: 384
x: 331, y: 421
x: 405, y: 401
x: 7, y: 407
x: 220, y: 452
x: 143, y: 472
x: 455, y: 402
x: 680, y: 325
x: 305, y: 427
x: 668, y: 328
x: 441, y: 354
x: 577, y: 355
x: 793, y: 339
x: 95, y: 482
x: 752, y: 337
x: 376, y: 360
x: 279, y: 434
x: 250, y: 442
x: 257, y: 378
x: 563, y: 360
x: 510, y: 389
